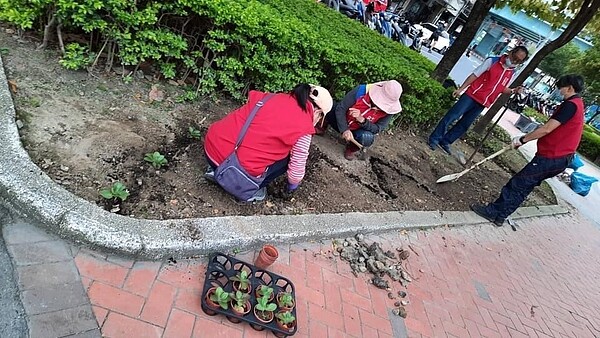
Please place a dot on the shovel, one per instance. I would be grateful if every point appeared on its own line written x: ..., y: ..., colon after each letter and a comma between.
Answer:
x: 454, y: 177
x: 362, y: 153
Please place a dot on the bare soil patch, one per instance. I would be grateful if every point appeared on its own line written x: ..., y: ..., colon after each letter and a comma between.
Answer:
x: 88, y: 131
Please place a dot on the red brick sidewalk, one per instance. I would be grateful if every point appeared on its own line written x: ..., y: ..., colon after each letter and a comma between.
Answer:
x: 474, y: 281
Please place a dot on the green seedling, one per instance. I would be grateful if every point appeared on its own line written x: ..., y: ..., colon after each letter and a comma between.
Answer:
x: 285, y: 299
x: 156, y: 159
x: 194, y: 133
x: 262, y: 304
x: 127, y: 79
x: 286, y: 317
x: 240, y: 299
x: 265, y: 291
x: 4, y: 51
x: 118, y: 191
x: 243, y: 279
x: 221, y: 297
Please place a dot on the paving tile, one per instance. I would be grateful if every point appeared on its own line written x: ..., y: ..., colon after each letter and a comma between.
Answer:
x: 35, y: 276
x: 63, y: 322
x: 101, y: 270
x: 141, y: 278
x: 100, y: 314
x: 21, y: 232
x: 159, y: 304
x: 209, y: 329
x: 39, y: 252
x: 53, y: 298
x: 179, y: 325
x: 189, y: 300
x: 115, y: 299
x: 95, y: 333
x: 118, y: 325
x: 184, y: 274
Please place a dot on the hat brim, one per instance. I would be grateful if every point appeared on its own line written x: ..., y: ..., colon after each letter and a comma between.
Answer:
x: 378, y: 97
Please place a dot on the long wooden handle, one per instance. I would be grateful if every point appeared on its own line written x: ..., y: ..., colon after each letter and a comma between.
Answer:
x: 360, y: 146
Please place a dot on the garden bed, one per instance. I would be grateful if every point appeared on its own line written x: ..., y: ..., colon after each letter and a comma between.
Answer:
x: 89, y: 131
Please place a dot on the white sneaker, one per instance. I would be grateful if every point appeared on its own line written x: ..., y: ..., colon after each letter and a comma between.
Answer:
x: 260, y: 195
x: 209, y: 174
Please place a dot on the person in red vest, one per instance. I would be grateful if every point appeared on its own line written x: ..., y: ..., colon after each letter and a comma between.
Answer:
x: 483, y: 87
x: 278, y: 138
x: 558, y: 140
x: 364, y: 112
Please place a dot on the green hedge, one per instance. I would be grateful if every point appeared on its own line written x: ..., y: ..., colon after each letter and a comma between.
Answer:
x: 236, y: 45
x: 589, y: 146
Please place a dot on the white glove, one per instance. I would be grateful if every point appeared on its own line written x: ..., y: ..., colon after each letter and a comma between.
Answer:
x: 516, y: 141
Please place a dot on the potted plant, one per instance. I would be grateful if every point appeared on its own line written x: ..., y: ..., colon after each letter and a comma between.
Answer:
x: 286, y: 321
x: 285, y: 301
x: 240, y: 305
x: 241, y: 282
x: 264, y: 291
x: 263, y: 310
x: 217, y: 297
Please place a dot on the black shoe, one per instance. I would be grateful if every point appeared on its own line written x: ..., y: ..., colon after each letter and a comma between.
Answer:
x: 479, y: 209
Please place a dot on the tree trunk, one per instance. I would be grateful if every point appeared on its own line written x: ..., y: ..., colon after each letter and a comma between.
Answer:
x: 480, y: 10
x: 587, y: 12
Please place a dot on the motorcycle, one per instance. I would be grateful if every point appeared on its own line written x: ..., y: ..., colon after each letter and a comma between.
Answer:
x: 417, y: 42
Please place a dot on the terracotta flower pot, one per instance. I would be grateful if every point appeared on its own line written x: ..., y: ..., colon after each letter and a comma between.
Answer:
x: 259, y: 295
x: 285, y: 327
x: 285, y: 308
x: 236, y: 287
x: 247, y: 308
x: 266, y: 256
x: 270, y: 315
x: 210, y: 303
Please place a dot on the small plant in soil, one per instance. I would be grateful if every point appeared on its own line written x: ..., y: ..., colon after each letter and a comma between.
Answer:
x: 286, y: 318
x: 243, y: 281
x: 264, y: 309
x: 264, y: 291
x: 285, y: 300
x: 117, y: 191
x: 239, y: 301
x: 194, y: 133
x: 221, y: 297
x: 156, y: 159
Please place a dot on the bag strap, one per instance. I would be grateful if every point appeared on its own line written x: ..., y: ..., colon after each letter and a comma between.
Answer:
x: 258, y: 105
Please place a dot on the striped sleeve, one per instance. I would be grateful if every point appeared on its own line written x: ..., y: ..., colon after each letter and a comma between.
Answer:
x: 298, y: 157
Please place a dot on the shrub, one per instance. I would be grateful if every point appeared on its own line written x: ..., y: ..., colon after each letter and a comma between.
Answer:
x: 539, y: 117
x: 589, y: 147
x: 236, y: 45
x: 76, y: 57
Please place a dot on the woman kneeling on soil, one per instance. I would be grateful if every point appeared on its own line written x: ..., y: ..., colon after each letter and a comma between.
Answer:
x: 277, y: 139
x: 364, y: 112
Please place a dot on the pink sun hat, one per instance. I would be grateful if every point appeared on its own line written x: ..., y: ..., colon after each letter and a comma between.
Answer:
x: 386, y: 95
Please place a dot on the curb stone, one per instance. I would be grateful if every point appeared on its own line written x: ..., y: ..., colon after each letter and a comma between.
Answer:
x: 32, y: 195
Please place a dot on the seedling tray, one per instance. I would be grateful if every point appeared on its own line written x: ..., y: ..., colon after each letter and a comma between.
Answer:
x: 222, y: 267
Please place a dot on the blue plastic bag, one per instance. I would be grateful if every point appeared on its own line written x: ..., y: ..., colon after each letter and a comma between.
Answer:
x: 576, y: 163
x: 582, y: 183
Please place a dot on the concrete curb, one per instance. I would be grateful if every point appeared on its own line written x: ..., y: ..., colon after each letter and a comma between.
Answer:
x: 30, y: 193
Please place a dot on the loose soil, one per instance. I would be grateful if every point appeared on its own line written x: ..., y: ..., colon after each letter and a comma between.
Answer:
x: 87, y: 131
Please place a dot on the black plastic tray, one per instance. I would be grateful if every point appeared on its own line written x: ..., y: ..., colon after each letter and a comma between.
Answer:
x: 221, y: 267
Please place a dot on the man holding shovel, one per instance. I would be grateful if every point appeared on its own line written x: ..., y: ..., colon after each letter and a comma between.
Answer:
x: 558, y: 140
x: 364, y: 112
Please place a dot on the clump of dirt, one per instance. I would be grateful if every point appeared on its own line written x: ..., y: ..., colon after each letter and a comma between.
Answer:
x: 88, y: 131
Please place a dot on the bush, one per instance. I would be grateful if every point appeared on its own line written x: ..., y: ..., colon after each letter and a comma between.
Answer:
x: 589, y: 147
x: 539, y: 117
x: 237, y: 45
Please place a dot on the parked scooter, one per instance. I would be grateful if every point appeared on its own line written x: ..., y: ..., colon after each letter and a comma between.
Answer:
x: 417, y: 42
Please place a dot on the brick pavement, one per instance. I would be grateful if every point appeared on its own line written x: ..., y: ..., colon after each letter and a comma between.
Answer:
x: 474, y: 281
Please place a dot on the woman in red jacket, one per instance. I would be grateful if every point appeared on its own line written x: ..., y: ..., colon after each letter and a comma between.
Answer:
x: 278, y: 138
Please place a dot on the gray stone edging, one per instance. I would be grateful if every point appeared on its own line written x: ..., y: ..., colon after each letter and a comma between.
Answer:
x: 30, y: 193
